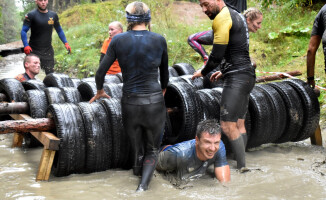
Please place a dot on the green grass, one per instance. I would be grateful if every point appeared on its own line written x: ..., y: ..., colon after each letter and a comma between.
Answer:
x: 85, y: 27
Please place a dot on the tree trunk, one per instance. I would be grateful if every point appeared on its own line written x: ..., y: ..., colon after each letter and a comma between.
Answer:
x: 23, y: 126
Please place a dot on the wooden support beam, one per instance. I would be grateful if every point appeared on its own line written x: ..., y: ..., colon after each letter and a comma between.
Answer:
x: 17, y: 140
x: 316, y: 139
x: 45, y: 166
x: 49, y: 140
x: 51, y: 144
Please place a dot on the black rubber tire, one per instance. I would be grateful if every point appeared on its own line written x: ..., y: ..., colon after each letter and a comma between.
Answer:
x: 71, y: 95
x: 261, y: 120
x: 168, y: 137
x: 76, y: 82
x: 89, y: 79
x: 87, y: 90
x: 13, y: 89
x: 33, y: 84
x: 112, y: 78
x: 113, y: 90
x: 120, y: 140
x: 184, y: 122
x: 175, y: 79
x: 311, y: 108
x: 184, y: 69
x: 119, y: 75
x: 197, y: 83
x: 38, y: 106
x: 57, y: 80
x: 211, y: 104
x: 172, y: 72
x: 69, y: 128
x: 54, y: 95
x: 294, y: 111
x: 37, y: 102
x: 277, y: 112
x: 98, y: 137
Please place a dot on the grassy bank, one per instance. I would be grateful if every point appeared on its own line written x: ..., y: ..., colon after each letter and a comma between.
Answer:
x: 279, y: 46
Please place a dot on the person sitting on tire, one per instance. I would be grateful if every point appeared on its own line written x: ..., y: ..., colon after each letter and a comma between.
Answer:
x: 32, y: 66
x: 191, y: 158
x: 114, y: 29
x: 140, y: 53
x: 254, y: 18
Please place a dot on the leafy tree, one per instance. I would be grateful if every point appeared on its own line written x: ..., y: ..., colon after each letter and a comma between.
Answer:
x: 9, y: 21
x: 1, y: 26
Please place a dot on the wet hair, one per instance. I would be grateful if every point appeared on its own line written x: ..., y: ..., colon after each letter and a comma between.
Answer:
x: 252, y: 13
x: 28, y: 58
x: 118, y: 25
x: 211, y: 126
x: 140, y: 11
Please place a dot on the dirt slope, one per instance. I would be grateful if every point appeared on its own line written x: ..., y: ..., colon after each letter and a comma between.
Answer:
x: 188, y: 12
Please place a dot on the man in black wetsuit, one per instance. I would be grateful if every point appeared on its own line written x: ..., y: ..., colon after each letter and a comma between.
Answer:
x: 318, y: 34
x: 140, y: 54
x: 231, y: 41
x: 41, y: 21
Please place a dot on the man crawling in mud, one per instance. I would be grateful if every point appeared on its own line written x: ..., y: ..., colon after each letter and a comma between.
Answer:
x: 190, y: 159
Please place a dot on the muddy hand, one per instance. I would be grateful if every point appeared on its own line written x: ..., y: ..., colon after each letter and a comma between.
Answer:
x: 99, y: 94
x: 196, y: 74
x: 215, y: 76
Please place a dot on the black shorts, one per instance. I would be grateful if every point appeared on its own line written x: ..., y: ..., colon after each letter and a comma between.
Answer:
x: 235, y: 96
x: 46, y: 57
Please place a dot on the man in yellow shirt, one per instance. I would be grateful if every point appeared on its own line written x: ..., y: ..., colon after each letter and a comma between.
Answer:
x: 231, y: 41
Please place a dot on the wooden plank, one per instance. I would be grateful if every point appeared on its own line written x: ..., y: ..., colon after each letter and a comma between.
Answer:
x: 45, y: 165
x: 18, y: 140
x: 316, y: 139
x: 49, y: 140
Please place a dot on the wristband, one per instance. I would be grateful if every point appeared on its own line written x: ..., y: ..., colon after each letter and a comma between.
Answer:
x: 310, y: 78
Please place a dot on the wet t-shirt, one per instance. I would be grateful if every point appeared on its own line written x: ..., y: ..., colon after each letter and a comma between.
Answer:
x: 230, y: 31
x: 240, y: 5
x: 41, y: 25
x: 140, y: 55
x: 182, y: 159
x: 319, y: 23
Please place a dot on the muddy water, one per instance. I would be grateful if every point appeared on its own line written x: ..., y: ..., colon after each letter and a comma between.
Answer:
x: 286, y: 171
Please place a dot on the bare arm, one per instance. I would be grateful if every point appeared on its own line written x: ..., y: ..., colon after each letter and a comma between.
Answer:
x: 223, y: 173
x: 311, y: 55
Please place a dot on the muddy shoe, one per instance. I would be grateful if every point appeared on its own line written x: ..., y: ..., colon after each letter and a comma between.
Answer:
x: 141, y: 188
x: 244, y: 170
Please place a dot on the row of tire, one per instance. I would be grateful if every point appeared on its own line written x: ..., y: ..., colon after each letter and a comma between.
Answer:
x: 278, y: 112
x: 92, y: 137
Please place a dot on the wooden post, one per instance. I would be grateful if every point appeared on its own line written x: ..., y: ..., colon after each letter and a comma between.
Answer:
x: 45, y: 166
x: 50, y: 143
x: 316, y: 139
x: 18, y: 140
